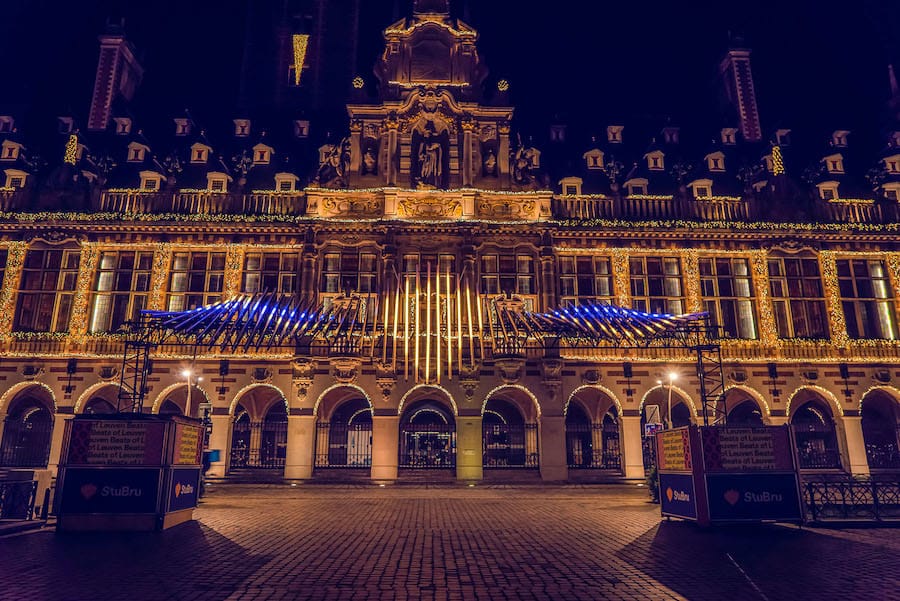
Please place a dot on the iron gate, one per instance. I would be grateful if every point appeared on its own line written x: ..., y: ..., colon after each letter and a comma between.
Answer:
x: 340, y: 445
x: 510, y: 445
x: 428, y: 446
x: 259, y: 444
x: 26, y: 443
x: 593, y: 446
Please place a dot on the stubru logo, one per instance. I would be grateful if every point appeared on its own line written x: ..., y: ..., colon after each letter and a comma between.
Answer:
x: 89, y: 491
x: 732, y: 497
x: 677, y: 495
x: 183, y: 489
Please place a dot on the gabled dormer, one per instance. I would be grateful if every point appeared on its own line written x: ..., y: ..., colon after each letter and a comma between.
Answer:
x: 301, y: 128
x: 286, y: 182
x: 262, y: 154
x: 783, y: 137
x: 729, y: 136
x: 241, y: 128
x: 15, y: 178
x: 200, y: 153
x: 593, y: 158
x: 557, y: 132
x: 151, y: 181
x: 137, y: 152
x: 10, y: 150
x: 7, y: 124
x: 183, y: 126
x: 828, y: 190
x: 839, y: 138
x: 655, y: 160
x: 217, y: 181
x: 892, y: 164
x: 834, y: 163
x: 715, y: 161
x: 636, y: 186
x: 891, y: 190
x: 769, y: 162
x: 123, y: 125
x: 614, y: 134
x: 65, y: 125
x: 571, y: 186
x: 671, y: 135
x: 701, y: 188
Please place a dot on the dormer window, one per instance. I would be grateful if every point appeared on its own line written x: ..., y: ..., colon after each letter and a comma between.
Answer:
x: 15, y: 178
x: 614, y: 133
x: 200, y: 153
x: 783, y: 137
x: 301, y: 128
x: 828, y: 190
x: 594, y: 159
x: 123, y: 125
x: 729, y: 136
x: 571, y: 186
x: 655, y: 160
x: 636, y: 187
x: 150, y: 181
x: 892, y: 191
x: 6, y: 123
x: 262, y: 154
x: 892, y: 164
x: 241, y: 128
x: 770, y: 163
x: 182, y: 127
x: 286, y: 182
x: 702, y: 188
x: 715, y: 161
x: 65, y: 125
x: 839, y: 138
x: 558, y: 133
x: 10, y: 150
x: 217, y: 182
x: 137, y: 152
x: 834, y: 163
x: 670, y: 135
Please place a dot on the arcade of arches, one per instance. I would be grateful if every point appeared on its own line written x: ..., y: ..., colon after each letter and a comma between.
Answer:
x: 344, y: 430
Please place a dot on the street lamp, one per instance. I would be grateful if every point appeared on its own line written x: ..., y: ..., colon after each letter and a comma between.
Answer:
x: 188, y: 374
x: 672, y: 377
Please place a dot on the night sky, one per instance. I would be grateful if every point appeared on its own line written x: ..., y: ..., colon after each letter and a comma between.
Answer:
x: 814, y: 61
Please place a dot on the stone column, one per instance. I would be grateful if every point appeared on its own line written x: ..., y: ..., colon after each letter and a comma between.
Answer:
x: 59, y: 429
x: 220, y: 438
x: 469, y: 454
x: 832, y: 292
x: 553, y: 448
x: 234, y: 269
x: 80, y: 317
x: 467, y: 159
x: 301, y: 438
x: 632, y: 447
x: 159, y: 281
x: 547, y: 266
x: 385, y: 446
x: 15, y: 259
x: 854, y: 451
x: 768, y: 329
x: 308, y: 272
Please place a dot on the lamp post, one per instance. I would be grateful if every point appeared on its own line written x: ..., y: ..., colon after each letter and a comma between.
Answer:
x: 188, y: 374
x: 672, y: 377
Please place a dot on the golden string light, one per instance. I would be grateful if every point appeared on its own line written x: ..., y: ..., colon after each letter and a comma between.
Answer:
x: 777, y: 161
x: 71, y: 155
x: 301, y: 43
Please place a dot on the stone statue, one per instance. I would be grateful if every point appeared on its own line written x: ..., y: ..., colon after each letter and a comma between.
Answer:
x: 526, y: 162
x: 370, y: 161
x: 431, y: 156
x: 490, y: 163
x: 335, y: 165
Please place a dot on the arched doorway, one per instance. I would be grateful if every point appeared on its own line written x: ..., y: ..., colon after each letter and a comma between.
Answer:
x: 589, y: 444
x: 344, y: 441
x: 169, y: 407
x: 273, y: 439
x: 656, y: 408
x: 745, y: 413
x: 27, y: 432
x: 99, y: 406
x: 427, y: 436
x: 508, y: 441
x: 259, y: 430
x: 880, y: 431
x: 240, y: 438
x: 815, y: 435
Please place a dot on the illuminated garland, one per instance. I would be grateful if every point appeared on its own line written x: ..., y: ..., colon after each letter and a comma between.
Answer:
x: 768, y: 328
x: 71, y: 154
x: 234, y: 265
x: 777, y: 161
x: 301, y: 43
x: 832, y: 293
x: 691, y: 267
x: 15, y: 259
x: 78, y: 322
x: 719, y: 198
x: 162, y: 261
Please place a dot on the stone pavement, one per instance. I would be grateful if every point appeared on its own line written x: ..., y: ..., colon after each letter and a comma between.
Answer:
x: 436, y: 543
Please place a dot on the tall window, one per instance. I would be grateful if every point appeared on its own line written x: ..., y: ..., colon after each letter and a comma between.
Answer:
x: 510, y: 273
x: 413, y: 263
x: 585, y: 279
x: 349, y: 270
x: 728, y: 296
x: 867, y: 299
x: 271, y: 272
x: 121, y: 289
x: 656, y: 285
x: 47, y: 289
x: 797, y: 297
x: 3, y: 256
x: 196, y: 279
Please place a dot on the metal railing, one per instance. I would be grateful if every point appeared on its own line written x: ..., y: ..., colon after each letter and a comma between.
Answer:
x: 427, y: 446
x: 260, y: 445
x: 593, y: 446
x: 17, y: 499
x: 25, y: 443
x: 343, y: 446
x: 851, y: 499
x: 510, y: 446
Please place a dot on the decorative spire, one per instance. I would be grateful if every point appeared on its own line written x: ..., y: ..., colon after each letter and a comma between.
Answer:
x: 431, y: 6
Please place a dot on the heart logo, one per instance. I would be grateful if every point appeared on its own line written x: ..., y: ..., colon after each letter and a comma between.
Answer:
x: 732, y: 496
x: 88, y: 491
x: 178, y: 489
x: 669, y: 494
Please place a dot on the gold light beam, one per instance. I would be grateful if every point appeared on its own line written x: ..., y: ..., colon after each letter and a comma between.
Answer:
x: 301, y: 43
x: 396, y: 326
x: 459, y: 336
x: 418, y: 331
x: 437, y: 319
x: 471, y: 336
x: 406, y: 328
x: 449, y: 327
x: 427, y: 322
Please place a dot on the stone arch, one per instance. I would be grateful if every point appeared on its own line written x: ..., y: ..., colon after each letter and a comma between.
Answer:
x: 91, y: 393
x: 519, y: 396
x: 596, y: 414
x: 249, y: 389
x: 336, y: 395
x: 163, y: 396
x: 880, y: 422
x: 683, y: 397
x: 421, y: 391
x: 13, y: 392
x: 755, y: 397
x: 891, y: 391
x: 825, y: 394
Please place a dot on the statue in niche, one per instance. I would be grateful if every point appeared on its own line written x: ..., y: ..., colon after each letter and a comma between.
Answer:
x: 490, y: 163
x: 526, y: 163
x: 370, y: 160
x: 335, y: 165
x: 431, y: 159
